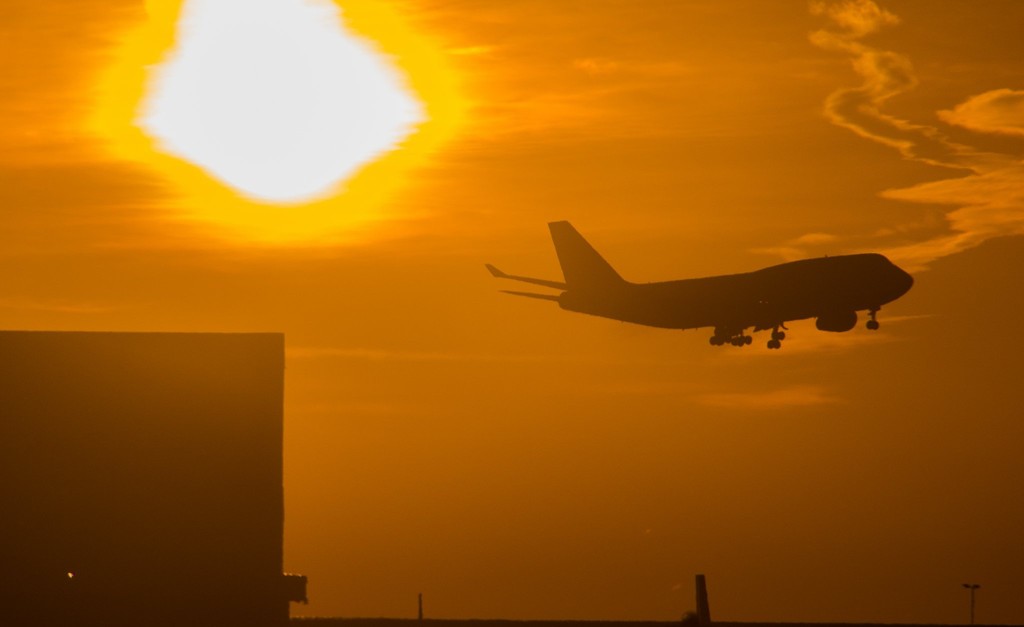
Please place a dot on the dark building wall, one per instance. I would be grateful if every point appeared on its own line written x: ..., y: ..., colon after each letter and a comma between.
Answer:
x: 149, y: 467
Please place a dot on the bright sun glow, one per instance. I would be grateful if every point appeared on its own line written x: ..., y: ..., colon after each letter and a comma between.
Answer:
x: 274, y: 98
x: 279, y: 122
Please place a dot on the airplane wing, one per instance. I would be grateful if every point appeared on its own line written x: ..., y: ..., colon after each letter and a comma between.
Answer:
x: 525, y: 279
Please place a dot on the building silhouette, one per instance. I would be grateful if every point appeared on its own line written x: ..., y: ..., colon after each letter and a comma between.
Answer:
x: 141, y: 480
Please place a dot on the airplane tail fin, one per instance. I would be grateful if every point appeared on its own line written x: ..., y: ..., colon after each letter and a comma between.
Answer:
x: 582, y: 266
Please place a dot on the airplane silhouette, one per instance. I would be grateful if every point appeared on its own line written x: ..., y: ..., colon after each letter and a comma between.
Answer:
x: 830, y: 289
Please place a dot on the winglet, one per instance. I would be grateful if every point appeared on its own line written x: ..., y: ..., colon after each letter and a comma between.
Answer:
x: 495, y: 272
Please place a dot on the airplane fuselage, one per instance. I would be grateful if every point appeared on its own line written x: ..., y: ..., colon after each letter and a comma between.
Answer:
x: 827, y: 287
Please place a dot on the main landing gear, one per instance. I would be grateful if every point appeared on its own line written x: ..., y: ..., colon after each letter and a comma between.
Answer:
x: 733, y: 337
x: 738, y: 339
x: 872, y: 322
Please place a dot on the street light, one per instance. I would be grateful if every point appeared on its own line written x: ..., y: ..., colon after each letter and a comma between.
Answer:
x: 972, y: 587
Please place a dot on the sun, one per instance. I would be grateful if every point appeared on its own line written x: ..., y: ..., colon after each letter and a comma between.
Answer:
x: 274, y: 99
x: 277, y: 121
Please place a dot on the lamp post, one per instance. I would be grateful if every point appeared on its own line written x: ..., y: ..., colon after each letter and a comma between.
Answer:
x: 972, y: 587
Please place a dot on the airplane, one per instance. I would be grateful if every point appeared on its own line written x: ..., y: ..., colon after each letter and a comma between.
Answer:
x: 830, y: 289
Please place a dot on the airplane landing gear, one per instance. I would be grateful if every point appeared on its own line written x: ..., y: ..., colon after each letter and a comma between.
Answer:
x: 733, y: 337
x: 723, y: 336
x: 777, y: 336
x: 872, y: 322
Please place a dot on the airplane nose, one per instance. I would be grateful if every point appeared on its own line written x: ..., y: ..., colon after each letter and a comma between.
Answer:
x: 903, y: 281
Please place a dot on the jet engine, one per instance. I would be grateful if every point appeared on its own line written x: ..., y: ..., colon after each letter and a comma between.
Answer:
x: 837, y: 321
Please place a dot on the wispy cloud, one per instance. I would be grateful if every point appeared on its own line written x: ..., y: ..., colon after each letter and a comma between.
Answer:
x: 884, y: 74
x: 996, y: 111
x: 592, y: 65
x: 813, y: 239
x: 358, y: 407
x: 471, y: 51
x: 991, y: 204
x: 989, y: 199
x: 799, y: 247
x: 384, y: 354
x: 857, y: 18
x: 792, y: 396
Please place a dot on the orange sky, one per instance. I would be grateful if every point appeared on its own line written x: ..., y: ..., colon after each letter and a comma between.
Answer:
x: 508, y: 459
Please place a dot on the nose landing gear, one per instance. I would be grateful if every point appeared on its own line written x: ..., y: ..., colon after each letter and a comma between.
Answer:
x: 872, y: 323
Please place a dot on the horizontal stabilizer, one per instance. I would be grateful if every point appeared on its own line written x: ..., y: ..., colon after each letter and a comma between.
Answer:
x: 531, y: 295
x: 525, y: 279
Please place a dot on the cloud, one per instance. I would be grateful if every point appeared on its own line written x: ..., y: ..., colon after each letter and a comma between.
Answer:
x: 793, y: 396
x: 989, y: 199
x: 857, y: 17
x: 786, y: 253
x: 991, y: 204
x: 383, y: 354
x: 49, y: 54
x: 798, y: 247
x: 812, y: 239
x: 471, y: 51
x: 998, y: 111
x: 596, y: 65
x: 79, y: 205
x: 357, y: 407
x: 374, y: 354
x: 884, y: 74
